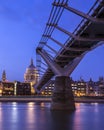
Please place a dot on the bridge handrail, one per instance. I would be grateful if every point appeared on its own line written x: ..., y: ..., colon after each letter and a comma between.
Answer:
x: 81, y: 24
x: 89, y: 13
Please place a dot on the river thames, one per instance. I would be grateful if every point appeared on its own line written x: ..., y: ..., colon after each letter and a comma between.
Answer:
x: 37, y: 116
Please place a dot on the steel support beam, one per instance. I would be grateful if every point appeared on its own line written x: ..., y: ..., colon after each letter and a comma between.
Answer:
x: 68, y: 56
x: 79, y: 13
x: 49, y: 47
x: 97, y: 45
x: 71, y: 66
x: 41, y: 71
x: 43, y: 63
x: 77, y: 49
x: 57, y: 42
x: 78, y: 38
x: 69, y: 48
x: 55, y: 67
x: 62, y: 61
x: 41, y: 67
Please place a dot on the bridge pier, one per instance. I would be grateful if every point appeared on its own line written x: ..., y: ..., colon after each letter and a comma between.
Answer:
x: 62, y: 95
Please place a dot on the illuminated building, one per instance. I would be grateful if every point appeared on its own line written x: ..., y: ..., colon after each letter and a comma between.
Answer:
x: 48, y: 90
x: 31, y: 76
x: 7, y: 88
x: 91, y: 88
x: 101, y: 86
x: 1, y: 88
x: 22, y: 88
x: 15, y: 88
x: 78, y: 88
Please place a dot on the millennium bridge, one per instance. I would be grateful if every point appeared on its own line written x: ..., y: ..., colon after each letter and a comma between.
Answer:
x: 60, y: 63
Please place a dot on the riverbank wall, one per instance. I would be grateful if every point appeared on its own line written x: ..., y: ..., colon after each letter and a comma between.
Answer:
x: 48, y: 99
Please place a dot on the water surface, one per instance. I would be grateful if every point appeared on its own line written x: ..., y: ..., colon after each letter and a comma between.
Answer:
x: 37, y: 116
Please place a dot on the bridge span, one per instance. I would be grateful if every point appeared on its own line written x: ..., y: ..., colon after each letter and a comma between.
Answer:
x: 88, y: 35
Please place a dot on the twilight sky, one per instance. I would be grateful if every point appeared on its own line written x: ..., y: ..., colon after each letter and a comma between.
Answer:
x: 22, y: 23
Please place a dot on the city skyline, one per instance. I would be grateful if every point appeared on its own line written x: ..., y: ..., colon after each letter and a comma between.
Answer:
x: 22, y: 23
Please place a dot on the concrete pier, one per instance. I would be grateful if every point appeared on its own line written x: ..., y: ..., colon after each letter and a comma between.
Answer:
x: 62, y: 96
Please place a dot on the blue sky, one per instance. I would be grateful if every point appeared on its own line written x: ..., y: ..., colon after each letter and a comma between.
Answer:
x: 22, y: 23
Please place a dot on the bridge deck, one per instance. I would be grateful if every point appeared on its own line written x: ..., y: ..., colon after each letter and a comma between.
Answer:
x: 89, y: 31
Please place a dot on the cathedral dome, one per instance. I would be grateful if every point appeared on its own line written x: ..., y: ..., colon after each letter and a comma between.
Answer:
x: 31, y: 74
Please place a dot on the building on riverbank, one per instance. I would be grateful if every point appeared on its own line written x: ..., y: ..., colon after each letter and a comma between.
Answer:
x: 1, y: 88
x: 8, y: 88
x: 95, y: 88
x: 15, y: 88
x: 31, y: 77
x: 80, y: 88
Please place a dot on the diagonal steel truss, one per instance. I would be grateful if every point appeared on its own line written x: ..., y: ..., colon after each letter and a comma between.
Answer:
x: 77, y: 45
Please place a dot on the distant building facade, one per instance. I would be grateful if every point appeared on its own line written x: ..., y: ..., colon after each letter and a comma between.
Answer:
x: 22, y: 88
x: 80, y: 88
x: 96, y: 88
x: 31, y: 76
x: 15, y: 88
x: 8, y: 88
x: 48, y: 90
x: 1, y: 88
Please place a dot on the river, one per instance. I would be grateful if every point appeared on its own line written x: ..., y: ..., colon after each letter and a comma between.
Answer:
x: 37, y: 116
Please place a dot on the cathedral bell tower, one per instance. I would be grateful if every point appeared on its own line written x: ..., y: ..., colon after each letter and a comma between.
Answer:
x: 3, y: 76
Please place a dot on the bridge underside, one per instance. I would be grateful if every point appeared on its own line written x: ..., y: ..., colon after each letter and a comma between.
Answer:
x: 88, y: 35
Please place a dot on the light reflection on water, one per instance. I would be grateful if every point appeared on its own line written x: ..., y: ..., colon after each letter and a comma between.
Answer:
x: 30, y: 114
x: 37, y: 116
